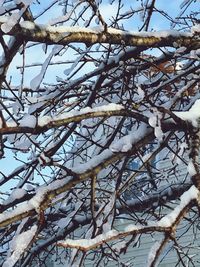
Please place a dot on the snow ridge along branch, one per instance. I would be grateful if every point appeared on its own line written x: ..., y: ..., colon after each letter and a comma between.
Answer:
x: 30, y: 31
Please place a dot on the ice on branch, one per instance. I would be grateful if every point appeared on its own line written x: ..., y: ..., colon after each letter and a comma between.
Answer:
x: 11, y: 21
x: 155, y: 122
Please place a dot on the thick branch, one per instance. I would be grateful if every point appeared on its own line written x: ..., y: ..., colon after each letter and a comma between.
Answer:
x: 30, y: 31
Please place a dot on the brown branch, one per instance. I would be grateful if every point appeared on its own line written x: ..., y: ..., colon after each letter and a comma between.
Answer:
x: 64, y: 36
x: 109, y: 236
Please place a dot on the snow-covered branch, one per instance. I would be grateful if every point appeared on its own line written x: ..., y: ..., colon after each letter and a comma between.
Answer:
x: 33, y: 124
x: 167, y: 225
x: 65, y: 35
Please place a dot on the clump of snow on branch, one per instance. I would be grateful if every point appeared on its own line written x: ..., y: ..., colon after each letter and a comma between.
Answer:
x: 42, y: 191
x: 152, y: 253
x: 93, y: 162
x: 44, y: 120
x: 35, y: 82
x: 186, y: 198
x: 28, y: 121
x: 35, y: 201
x: 19, y: 245
x: 190, y: 168
x: 127, y: 142
x: 155, y: 122
x: 16, y: 194
x: 86, y: 244
x: 192, y: 115
x: 11, y: 21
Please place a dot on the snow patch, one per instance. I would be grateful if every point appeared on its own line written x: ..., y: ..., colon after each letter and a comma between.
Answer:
x: 192, y: 115
x: 169, y: 219
x: 125, y: 143
x: 28, y: 121
x: 18, y: 245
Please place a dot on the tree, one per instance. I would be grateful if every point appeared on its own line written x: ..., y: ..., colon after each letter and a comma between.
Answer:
x: 99, y: 121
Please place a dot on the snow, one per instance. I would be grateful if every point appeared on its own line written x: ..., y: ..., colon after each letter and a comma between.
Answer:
x: 3, y: 19
x: 158, y: 133
x: 87, y: 244
x: 192, y: 115
x: 125, y: 143
x: 44, y: 120
x: 152, y: 253
x: 183, y: 146
x: 141, y: 94
x: 10, y: 23
x: 31, y: 121
x: 169, y: 219
x: 42, y: 191
x: 34, y: 202
x: 11, y: 124
x: 195, y: 28
x: 12, y: 20
x: 191, y: 169
x: 155, y: 122
x: 1, y: 123
x: 93, y: 162
x: 28, y: 121
x: 36, y: 81
x: 18, y: 246
x: 27, y: 25
x: 131, y: 227
x: 15, y: 194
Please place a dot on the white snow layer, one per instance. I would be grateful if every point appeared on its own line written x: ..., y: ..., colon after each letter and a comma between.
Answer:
x: 42, y: 121
x: 28, y: 121
x: 31, y: 121
x: 34, y: 202
x: 191, y: 169
x: 9, y: 23
x: 192, y: 115
x: 169, y: 219
x: 152, y: 253
x: 89, y: 243
x: 15, y: 194
x: 125, y: 143
x: 18, y: 246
